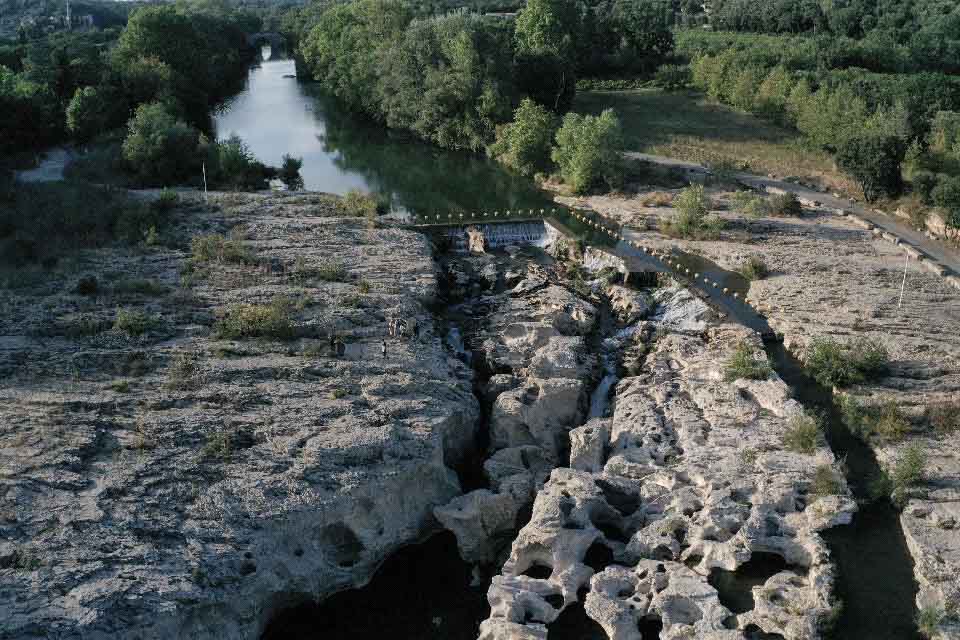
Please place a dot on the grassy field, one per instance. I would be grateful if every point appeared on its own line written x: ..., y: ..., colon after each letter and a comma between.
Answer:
x: 687, y: 126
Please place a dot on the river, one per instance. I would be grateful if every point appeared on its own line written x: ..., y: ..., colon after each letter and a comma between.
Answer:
x: 277, y: 114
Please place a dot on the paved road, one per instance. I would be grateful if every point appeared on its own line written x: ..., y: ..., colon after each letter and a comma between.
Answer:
x: 942, y: 253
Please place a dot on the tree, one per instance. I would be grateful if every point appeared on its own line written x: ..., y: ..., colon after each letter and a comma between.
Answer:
x: 644, y: 28
x: 947, y: 195
x: 290, y: 173
x: 874, y: 161
x: 89, y: 113
x: 589, y: 150
x: 524, y: 144
x: 546, y: 56
x: 159, y: 148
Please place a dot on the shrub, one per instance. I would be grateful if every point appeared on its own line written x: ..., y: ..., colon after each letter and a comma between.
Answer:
x: 363, y: 287
x: 184, y: 371
x: 885, y: 420
x: 834, y: 364
x: 785, y: 204
x: 134, y: 322
x: 744, y: 364
x: 231, y: 165
x: 754, y: 268
x: 874, y: 161
x: 944, y: 417
x: 825, y: 481
x: 359, y: 204
x: 160, y: 149
x: 167, y: 201
x: 929, y: 619
x: 331, y: 270
x: 692, y: 220
x: 588, y: 150
x: 257, y: 320
x: 910, y: 469
x: 923, y: 185
x: 290, y: 173
x: 672, y: 77
x: 947, y: 195
x: 216, y: 248
x: 802, y: 434
x: 750, y: 204
x: 524, y: 144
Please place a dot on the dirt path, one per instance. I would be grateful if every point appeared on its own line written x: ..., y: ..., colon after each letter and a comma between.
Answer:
x: 50, y: 168
x: 946, y: 256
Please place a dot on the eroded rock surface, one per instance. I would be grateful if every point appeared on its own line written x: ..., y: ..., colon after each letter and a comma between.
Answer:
x: 689, y: 479
x: 173, y: 484
x: 531, y: 331
x: 831, y: 277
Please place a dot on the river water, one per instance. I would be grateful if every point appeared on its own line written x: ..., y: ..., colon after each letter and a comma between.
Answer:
x: 278, y: 114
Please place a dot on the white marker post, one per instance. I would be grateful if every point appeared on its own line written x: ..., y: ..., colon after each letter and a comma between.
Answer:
x: 903, y: 284
x: 204, y: 181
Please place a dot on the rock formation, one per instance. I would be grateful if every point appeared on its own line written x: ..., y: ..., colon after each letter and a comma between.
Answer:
x: 173, y: 484
x: 688, y: 482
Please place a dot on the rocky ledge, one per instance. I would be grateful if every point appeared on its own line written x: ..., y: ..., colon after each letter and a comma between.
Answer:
x: 682, y: 514
x: 159, y: 480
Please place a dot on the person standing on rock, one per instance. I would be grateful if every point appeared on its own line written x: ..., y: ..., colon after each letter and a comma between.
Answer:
x: 383, y: 348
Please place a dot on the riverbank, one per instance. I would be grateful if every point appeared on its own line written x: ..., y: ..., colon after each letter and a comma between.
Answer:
x: 830, y: 276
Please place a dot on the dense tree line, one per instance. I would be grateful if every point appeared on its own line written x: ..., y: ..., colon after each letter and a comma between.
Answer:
x: 927, y: 30
x: 452, y: 78
x: 871, y: 122
x: 150, y: 85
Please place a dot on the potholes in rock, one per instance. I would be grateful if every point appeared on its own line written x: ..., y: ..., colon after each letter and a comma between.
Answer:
x: 753, y: 632
x: 650, y: 628
x: 555, y: 600
x: 574, y: 623
x: 538, y: 571
x: 422, y: 591
x: 735, y: 588
x: 345, y: 548
x: 623, y: 501
x: 611, y: 527
x: 598, y: 556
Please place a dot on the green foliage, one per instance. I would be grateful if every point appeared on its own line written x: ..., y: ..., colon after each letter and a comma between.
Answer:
x: 184, y: 371
x: 588, y: 150
x: 910, y: 469
x: 524, y: 144
x: 289, y: 173
x: 160, y: 149
x: 944, y: 417
x: 359, y: 205
x: 140, y: 286
x: 692, y: 221
x: 875, y: 163
x: 29, y: 118
x: 923, y: 183
x: 754, y: 268
x: 784, y: 204
x: 750, y: 204
x: 672, y: 77
x: 947, y: 196
x: 832, y: 363
x: 825, y: 481
x: 135, y: 323
x: 929, y: 619
x: 802, y: 434
x: 884, y: 420
x: 90, y: 112
x: 744, y: 364
x: 331, y: 270
x: 447, y: 78
x: 231, y: 166
x: 216, y: 248
x: 271, y: 320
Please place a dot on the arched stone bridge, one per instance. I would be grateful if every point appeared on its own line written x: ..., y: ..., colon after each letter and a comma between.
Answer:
x: 275, y: 40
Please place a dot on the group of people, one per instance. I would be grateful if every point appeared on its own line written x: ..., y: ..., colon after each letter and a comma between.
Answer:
x: 396, y: 328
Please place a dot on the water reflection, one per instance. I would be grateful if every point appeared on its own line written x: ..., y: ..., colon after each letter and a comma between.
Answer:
x: 275, y: 114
